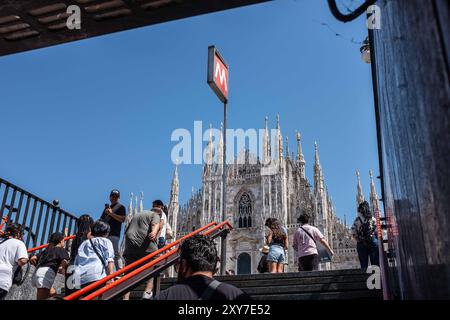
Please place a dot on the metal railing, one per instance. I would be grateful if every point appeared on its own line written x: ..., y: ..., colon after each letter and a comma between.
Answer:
x: 38, y: 217
x: 43, y: 246
x: 148, y: 269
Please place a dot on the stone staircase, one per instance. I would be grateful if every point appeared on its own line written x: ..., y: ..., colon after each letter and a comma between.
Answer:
x: 316, y: 285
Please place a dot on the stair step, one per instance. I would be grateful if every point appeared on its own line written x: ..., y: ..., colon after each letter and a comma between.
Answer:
x: 323, y: 285
x: 289, y: 275
x: 346, y: 295
x: 275, y: 288
x: 292, y: 281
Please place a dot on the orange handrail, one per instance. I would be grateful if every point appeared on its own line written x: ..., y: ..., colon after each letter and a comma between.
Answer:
x: 46, y: 245
x: 150, y: 264
x: 98, y: 283
x: 4, y: 221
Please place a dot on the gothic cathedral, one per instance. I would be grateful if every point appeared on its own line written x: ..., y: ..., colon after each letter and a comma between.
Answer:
x: 273, y: 186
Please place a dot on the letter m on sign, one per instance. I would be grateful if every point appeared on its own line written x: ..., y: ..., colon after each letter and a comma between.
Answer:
x: 217, y: 74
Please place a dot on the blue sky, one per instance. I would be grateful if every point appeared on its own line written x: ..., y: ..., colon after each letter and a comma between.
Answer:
x: 82, y: 118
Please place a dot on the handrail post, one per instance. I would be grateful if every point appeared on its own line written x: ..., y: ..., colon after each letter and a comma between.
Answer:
x: 156, y: 284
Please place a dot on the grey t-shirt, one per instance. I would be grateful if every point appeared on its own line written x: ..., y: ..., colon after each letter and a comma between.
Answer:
x: 136, y: 236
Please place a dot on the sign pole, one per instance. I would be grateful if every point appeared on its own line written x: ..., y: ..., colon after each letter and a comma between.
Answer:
x: 218, y: 81
x: 223, y: 243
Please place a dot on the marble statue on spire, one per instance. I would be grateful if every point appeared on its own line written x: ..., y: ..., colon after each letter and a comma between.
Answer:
x: 300, y: 158
x: 141, y: 202
x: 374, y: 202
x: 359, y: 193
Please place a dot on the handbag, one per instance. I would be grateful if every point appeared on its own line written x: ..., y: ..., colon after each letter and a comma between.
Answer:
x: 324, y: 254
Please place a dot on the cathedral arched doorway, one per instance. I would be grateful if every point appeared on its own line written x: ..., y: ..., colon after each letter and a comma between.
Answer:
x: 244, y: 264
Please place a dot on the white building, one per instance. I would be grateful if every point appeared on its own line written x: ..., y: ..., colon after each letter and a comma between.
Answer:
x: 276, y: 187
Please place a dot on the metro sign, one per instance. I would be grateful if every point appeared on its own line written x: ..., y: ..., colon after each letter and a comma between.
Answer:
x: 217, y: 74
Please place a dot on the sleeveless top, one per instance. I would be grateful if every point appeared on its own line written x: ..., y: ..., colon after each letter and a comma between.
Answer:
x: 278, y: 240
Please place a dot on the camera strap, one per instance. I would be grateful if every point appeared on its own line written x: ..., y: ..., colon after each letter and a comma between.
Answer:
x: 98, y: 254
x: 210, y: 289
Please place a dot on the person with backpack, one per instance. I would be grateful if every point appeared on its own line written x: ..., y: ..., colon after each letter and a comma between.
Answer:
x: 48, y: 263
x: 13, y: 255
x: 305, y: 244
x: 196, y: 268
x: 83, y: 233
x: 95, y: 258
x: 364, y: 231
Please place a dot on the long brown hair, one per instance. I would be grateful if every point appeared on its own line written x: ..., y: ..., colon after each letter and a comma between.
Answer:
x: 277, y: 230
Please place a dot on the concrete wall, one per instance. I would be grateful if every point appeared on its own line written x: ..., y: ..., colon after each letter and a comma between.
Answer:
x: 26, y: 291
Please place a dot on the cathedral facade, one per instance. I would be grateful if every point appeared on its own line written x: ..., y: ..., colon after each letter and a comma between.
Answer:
x: 274, y: 185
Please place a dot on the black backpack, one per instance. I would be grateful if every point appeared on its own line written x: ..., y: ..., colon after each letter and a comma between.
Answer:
x: 367, y: 233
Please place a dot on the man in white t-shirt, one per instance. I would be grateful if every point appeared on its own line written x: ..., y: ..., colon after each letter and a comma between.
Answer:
x: 13, y: 253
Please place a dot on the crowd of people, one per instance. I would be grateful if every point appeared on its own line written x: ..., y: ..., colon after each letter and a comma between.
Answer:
x: 305, y: 245
x: 95, y: 253
x: 310, y: 246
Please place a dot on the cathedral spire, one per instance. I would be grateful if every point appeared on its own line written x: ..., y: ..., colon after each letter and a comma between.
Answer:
x: 359, y: 194
x: 209, y: 152
x: 279, y: 145
x: 211, y: 146
x: 374, y: 204
x: 318, y: 175
x: 287, y: 147
x: 174, y: 189
x: 316, y: 154
x: 266, y: 143
x: 141, y: 202
x: 174, y: 206
x: 130, y: 206
x: 300, y: 157
x: 220, y: 147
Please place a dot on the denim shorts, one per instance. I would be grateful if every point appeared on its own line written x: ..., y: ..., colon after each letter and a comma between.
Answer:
x: 276, y: 254
x: 43, y: 278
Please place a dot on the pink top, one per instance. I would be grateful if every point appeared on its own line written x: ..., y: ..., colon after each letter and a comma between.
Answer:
x: 303, y: 243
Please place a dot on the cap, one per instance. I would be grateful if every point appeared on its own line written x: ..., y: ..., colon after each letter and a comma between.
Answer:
x: 158, y: 203
x: 115, y: 192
